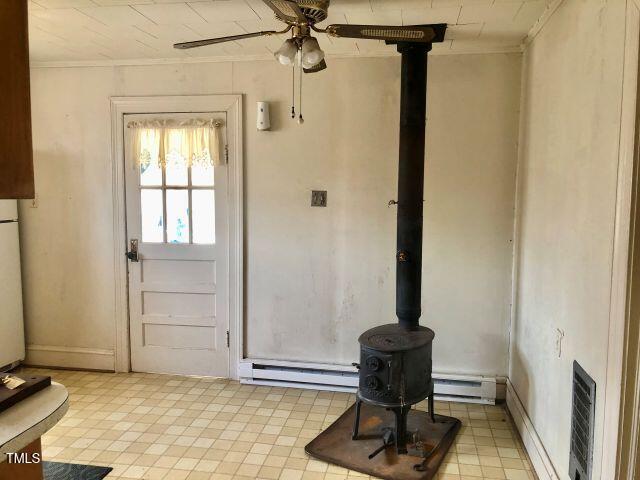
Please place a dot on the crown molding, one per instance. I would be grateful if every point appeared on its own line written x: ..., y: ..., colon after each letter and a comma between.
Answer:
x: 252, y: 58
x: 537, y: 27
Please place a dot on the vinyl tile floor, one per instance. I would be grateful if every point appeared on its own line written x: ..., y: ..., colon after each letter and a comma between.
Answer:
x: 154, y: 427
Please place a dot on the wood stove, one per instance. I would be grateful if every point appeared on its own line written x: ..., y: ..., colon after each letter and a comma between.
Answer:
x: 395, y: 359
x: 395, y: 366
x: 395, y: 373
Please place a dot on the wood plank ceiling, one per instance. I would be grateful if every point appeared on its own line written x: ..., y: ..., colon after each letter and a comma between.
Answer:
x: 128, y: 30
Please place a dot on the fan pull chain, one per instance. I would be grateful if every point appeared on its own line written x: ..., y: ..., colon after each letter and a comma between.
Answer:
x: 300, y: 119
x: 293, y: 91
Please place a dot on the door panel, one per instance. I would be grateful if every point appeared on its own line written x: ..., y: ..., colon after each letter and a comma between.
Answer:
x: 180, y: 271
x: 180, y: 336
x: 178, y: 304
x: 178, y: 288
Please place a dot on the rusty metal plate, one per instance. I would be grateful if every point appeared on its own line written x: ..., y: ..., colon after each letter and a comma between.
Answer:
x: 335, y: 445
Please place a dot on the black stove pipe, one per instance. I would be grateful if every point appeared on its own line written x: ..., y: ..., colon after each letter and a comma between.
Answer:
x: 413, y: 106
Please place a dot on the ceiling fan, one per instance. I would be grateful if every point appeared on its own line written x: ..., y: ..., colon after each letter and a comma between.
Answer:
x: 301, y: 17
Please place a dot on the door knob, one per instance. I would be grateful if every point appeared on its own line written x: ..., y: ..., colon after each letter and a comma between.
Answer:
x: 132, y: 254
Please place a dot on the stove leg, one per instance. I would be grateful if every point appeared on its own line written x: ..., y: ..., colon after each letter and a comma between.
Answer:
x: 356, y: 424
x: 432, y: 412
x: 401, y: 429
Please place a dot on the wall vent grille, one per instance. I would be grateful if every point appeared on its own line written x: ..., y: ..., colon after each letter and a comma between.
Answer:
x: 582, y: 424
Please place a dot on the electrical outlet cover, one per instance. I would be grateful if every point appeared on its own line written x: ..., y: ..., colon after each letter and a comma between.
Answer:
x: 318, y: 198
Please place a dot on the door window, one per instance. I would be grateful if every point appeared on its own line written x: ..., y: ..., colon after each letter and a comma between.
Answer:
x: 177, y: 201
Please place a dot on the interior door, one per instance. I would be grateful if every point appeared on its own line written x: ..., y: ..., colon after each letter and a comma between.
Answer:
x: 177, y: 220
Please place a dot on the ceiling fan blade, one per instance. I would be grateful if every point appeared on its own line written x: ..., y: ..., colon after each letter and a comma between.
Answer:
x: 316, y: 68
x: 286, y: 10
x: 390, y: 33
x: 230, y: 38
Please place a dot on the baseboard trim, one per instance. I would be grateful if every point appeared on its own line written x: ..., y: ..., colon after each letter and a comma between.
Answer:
x: 70, y: 357
x: 532, y: 443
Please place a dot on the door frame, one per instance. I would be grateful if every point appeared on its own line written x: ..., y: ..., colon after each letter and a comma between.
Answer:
x: 628, y: 444
x: 232, y: 105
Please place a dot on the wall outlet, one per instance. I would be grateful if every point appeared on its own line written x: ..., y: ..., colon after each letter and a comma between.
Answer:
x: 34, y: 202
x: 318, y: 198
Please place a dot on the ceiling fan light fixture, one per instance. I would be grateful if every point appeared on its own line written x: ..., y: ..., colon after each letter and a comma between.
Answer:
x: 312, y: 54
x: 286, y: 54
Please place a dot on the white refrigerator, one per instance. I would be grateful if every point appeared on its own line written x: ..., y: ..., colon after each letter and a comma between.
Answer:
x: 12, y: 348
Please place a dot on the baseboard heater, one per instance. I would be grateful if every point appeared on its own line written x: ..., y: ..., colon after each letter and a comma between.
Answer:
x: 342, y: 378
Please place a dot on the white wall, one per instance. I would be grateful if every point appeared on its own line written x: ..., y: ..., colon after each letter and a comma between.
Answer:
x: 567, y: 179
x: 315, y: 277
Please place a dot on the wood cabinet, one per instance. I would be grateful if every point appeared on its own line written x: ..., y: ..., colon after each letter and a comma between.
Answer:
x: 16, y: 153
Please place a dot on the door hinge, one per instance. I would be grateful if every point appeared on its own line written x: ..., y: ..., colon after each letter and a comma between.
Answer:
x: 228, y: 344
x: 226, y: 153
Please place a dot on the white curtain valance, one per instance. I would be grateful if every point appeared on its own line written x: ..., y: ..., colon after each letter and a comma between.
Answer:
x: 191, y: 142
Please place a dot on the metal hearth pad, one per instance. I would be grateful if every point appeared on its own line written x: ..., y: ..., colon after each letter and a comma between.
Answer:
x: 334, y: 445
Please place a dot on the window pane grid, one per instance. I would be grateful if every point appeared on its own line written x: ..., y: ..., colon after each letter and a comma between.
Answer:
x: 203, y: 222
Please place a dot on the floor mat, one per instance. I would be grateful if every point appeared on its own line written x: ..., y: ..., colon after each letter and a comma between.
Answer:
x: 72, y: 471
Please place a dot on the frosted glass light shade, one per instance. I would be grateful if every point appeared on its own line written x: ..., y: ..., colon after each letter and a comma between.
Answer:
x: 286, y: 54
x: 311, y: 52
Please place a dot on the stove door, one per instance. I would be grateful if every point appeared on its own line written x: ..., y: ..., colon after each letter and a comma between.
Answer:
x: 379, y: 376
